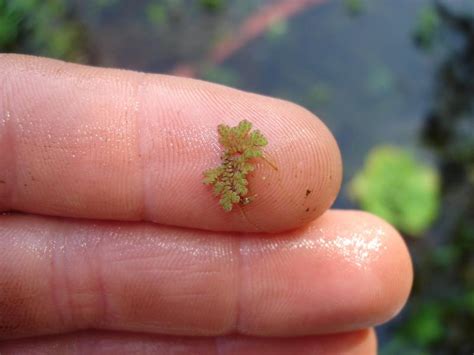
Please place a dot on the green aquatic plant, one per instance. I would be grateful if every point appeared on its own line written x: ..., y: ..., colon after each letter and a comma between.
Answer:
x: 46, y: 28
x: 396, y: 187
x: 241, y: 146
x: 156, y: 14
x: 212, y: 5
x: 9, y: 25
x: 319, y: 94
x: 355, y: 7
x: 277, y: 30
x: 427, y: 26
x: 425, y: 326
x: 380, y: 80
x: 220, y: 75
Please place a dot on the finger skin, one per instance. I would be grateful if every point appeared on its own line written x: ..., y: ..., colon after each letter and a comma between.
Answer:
x: 78, y: 141
x: 345, y: 271
x: 96, y: 342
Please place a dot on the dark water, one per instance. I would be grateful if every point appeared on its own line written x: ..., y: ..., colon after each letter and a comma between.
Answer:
x: 371, y: 84
x: 361, y: 74
x: 377, y: 83
x: 365, y: 77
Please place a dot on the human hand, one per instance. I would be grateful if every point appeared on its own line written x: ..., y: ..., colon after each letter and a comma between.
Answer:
x: 89, y: 157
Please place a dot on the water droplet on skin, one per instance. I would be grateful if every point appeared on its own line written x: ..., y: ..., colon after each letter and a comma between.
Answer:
x: 359, y: 247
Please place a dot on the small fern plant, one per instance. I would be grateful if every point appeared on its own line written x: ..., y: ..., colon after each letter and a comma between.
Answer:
x: 241, y: 146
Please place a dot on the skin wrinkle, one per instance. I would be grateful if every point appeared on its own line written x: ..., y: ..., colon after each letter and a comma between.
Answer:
x: 11, y: 158
x: 22, y: 124
x: 140, y: 82
x: 96, y: 342
x: 105, y: 312
x: 145, y: 150
x: 131, y: 134
x: 102, y: 288
x: 217, y: 346
x: 58, y: 72
x: 177, y: 141
x: 170, y: 249
x: 141, y: 155
x: 67, y: 289
x: 57, y: 274
x: 19, y: 299
x: 131, y: 118
x: 98, y: 307
x: 237, y: 323
x: 92, y: 282
x: 67, y: 275
x: 71, y: 136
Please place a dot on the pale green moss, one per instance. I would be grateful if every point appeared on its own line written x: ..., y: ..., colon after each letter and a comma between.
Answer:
x: 241, y: 146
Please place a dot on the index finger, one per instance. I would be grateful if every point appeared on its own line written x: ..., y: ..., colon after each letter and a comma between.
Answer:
x: 79, y: 141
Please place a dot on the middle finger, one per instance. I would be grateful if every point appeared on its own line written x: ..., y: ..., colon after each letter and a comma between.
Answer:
x: 345, y: 271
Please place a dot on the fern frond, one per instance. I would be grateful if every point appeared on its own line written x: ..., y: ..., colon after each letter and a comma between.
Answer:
x: 241, y: 145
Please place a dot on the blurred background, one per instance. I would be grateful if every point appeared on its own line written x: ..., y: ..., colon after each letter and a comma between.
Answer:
x: 394, y: 81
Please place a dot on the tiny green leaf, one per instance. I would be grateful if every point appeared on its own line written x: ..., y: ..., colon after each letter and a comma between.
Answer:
x: 241, y: 145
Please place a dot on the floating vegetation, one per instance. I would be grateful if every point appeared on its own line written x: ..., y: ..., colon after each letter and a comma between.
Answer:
x: 156, y: 14
x: 427, y: 27
x: 380, y: 80
x: 319, y: 94
x: 212, y: 5
x: 220, y: 75
x: 396, y: 187
x: 41, y: 27
x: 241, y: 146
x: 277, y: 30
x: 355, y: 7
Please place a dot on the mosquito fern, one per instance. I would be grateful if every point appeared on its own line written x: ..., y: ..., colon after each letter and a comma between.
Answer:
x: 241, y: 146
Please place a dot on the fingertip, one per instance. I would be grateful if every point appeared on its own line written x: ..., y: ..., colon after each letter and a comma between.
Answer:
x: 309, y: 170
x: 297, y: 180
x: 393, y: 271
x: 379, y: 249
x: 348, y: 270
